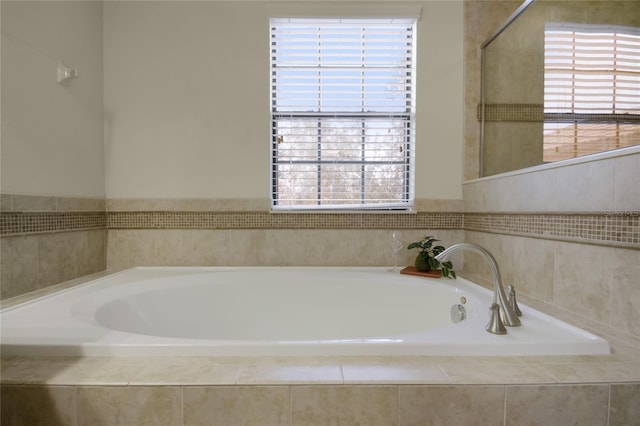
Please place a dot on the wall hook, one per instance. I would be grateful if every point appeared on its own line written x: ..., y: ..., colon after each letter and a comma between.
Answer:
x: 66, y: 73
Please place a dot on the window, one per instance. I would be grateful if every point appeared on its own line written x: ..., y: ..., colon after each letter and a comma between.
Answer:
x: 592, y: 89
x: 342, y: 113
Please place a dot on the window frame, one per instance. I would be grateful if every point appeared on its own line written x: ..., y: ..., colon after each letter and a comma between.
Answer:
x: 407, y: 146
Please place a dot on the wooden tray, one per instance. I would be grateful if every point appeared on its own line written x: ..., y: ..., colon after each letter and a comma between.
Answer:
x: 411, y: 270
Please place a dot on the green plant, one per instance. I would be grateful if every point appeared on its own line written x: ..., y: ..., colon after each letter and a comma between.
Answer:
x: 427, y: 253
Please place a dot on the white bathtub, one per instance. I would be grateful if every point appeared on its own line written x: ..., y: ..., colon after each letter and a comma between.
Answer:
x: 278, y: 312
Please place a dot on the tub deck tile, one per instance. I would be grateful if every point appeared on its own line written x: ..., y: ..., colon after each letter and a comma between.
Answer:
x: 102, y: 371
x: 497, y: 372
x: 187, y: 371
x: 594, y: 372
x: 394, y: 374
x: 290, y: 374
x: 193, y: 371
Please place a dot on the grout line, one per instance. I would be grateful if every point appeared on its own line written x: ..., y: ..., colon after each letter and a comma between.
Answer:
x: 504, y: 408
x: 182, y: 404
x: 609, y: 407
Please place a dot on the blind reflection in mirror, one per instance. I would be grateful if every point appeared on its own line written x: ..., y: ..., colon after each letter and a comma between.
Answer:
x: 591, y: 89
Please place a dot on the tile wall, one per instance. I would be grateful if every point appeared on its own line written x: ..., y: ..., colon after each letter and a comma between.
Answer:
x: 587, y: 263
x: 384, y: 405
x: 175, y: 236
x: 48, y: 240
x: 284, y: 391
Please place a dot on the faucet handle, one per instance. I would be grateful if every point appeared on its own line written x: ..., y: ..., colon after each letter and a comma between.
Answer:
x: 512, y: 300
x: 495, y: 326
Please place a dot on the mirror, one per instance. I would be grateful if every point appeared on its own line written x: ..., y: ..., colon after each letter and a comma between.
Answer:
x: 560, y: 79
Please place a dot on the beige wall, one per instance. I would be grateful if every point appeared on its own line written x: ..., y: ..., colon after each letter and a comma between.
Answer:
x: 52, y: 135
x: 187, y: 98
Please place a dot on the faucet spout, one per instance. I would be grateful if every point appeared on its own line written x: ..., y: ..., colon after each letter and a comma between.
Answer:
x: 499, y: 295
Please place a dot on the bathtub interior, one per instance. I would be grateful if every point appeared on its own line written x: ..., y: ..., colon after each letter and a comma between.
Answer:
x: 256, y: 311
x: 283, y: 305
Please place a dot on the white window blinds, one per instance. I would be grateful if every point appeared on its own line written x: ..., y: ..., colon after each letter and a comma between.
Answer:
x: 342, y: 109
x: 592, y: 89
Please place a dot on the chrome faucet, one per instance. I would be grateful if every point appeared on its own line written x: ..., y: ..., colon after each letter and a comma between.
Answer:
x: 501, y: 311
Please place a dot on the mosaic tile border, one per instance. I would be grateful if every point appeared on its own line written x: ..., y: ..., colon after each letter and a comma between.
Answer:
x: 511, y: 112
x: 535, y: 113
x: 20, y: 223
x: 616, y: 228
x: 266, y: 220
